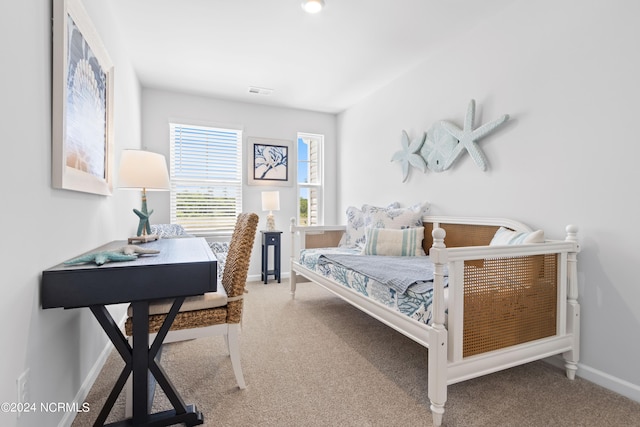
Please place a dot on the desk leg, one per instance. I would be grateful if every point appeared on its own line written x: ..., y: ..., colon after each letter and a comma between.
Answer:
x: 140, y: 360
x: 122, y: 346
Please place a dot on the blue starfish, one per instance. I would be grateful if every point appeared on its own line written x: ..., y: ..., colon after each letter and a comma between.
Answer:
x: 101, y: 258
x: 144, y: 219
x: 409, y: 155
x: 467, y: 137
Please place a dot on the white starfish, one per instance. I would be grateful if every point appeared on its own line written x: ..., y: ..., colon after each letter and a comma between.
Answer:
x: 137, y: 250
x: 409, y: 155
x: 467, y: 137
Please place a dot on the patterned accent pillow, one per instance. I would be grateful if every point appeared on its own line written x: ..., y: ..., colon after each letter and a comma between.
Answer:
x: 505, y: 236
x: 395, y: 218
x: 354, y: 235
x: 166, y: 231
x: 383, y: 241
x: 220, y: 250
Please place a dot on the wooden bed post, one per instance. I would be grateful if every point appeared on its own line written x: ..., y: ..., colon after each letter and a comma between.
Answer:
x: 292, y: 274
x: 437, y: 388
x: 573, y: 307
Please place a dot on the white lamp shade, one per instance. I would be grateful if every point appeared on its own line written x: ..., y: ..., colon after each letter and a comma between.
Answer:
x: 270, y: 200
x: 143, y: 170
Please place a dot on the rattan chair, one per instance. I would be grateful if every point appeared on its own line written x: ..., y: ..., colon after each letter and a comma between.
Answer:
x: 214, y: 313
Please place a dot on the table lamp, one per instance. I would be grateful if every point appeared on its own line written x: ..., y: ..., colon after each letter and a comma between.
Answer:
x: 146, y: 171
x: 271, y: 202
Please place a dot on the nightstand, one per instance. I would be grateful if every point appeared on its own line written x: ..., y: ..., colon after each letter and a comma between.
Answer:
x: 271, y: 238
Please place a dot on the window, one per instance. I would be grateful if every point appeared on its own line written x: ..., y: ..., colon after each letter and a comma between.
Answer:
x: 310, y: 189
x: 206, y: 178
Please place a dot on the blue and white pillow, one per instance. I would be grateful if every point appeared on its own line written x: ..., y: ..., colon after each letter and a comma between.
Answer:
x: 505, y: 236
x: 166, y: 231
x: 354, y: 236
x: 395, y: 218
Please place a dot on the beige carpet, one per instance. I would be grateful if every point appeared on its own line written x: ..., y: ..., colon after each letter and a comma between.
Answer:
x: 316, y: 361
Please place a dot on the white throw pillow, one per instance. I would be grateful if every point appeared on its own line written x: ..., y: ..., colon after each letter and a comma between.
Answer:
x: 391, y: 242
x: 505, y: 236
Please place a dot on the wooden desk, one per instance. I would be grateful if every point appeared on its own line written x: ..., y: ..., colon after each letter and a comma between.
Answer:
x: 184, y: 267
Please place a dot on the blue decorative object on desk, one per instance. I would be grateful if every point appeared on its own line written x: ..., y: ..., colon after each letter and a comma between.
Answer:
x: 101, y: 258
x: 126, y: 253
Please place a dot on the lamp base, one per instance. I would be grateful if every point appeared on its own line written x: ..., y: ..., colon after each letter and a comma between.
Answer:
x: 143, y: 238
x: 271, y: 222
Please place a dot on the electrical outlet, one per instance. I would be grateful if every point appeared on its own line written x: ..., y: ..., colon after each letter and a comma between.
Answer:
x: 23, y: 389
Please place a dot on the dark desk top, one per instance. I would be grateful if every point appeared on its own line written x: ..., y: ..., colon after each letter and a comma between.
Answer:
x: 183, y: 267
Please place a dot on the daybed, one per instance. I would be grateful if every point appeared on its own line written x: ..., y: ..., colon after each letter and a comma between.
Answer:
x: 492, y: 305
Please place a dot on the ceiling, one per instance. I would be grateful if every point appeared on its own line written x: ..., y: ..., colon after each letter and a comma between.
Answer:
x: 324, y: 62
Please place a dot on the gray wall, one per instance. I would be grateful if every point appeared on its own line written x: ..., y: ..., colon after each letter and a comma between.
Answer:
x: 567, y: 74
x: 43, y: 226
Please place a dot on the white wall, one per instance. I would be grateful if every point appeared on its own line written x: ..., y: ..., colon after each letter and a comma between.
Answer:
x: 159, y: 107
x: 567, y: 73
x: 43, y: 226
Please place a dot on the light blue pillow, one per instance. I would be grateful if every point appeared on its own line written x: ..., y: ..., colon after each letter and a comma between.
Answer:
x: 505, y: 236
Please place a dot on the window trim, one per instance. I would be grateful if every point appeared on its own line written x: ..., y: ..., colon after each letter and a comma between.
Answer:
x: 320, y: 185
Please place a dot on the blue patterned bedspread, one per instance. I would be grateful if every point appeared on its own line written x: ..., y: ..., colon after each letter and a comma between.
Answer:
x: 414, y: 303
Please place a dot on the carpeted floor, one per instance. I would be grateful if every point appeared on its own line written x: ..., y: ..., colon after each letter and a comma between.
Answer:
x: 316, y: 361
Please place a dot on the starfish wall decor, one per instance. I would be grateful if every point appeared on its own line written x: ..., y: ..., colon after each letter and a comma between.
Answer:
x: 467, y: 136
x: 444, y: 143
x: 409, y: 156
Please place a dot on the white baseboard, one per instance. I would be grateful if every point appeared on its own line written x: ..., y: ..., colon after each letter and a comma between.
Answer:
x: 618, y: 385
x: 91, y: 377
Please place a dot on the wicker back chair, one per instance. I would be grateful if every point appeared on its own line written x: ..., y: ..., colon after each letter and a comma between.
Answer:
x: 236, y: 267
x: 214, y: 313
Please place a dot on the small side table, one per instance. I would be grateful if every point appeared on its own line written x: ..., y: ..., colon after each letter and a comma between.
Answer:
x: 270, y: 238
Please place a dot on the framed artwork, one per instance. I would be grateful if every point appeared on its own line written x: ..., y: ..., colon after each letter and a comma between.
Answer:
x: 82, y: 128
x: 269, y: 161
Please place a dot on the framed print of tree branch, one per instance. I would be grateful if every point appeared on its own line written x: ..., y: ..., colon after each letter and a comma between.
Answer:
x: 269, y: 161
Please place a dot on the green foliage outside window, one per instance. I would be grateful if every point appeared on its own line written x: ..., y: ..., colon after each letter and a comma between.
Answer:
x: 304, y: 211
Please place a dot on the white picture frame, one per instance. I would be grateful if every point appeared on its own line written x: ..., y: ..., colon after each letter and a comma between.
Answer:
x: 269, y: 162
x: 82, y: 111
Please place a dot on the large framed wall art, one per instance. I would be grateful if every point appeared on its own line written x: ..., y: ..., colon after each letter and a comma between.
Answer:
x: 82, y: 128
x: 269, y: 161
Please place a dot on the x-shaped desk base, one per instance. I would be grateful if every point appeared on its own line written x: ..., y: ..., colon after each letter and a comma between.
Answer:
x: 139, y: 360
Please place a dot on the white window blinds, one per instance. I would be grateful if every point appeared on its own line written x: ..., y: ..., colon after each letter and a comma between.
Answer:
x: 206, y: 178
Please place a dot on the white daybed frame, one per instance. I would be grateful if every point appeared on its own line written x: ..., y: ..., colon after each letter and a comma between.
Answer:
x: 446, y: 363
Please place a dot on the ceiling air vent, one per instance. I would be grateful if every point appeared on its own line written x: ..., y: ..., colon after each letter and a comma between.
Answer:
x: 260, y: 90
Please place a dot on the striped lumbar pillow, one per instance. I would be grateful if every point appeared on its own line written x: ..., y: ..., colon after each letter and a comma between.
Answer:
x: 391, y: 242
